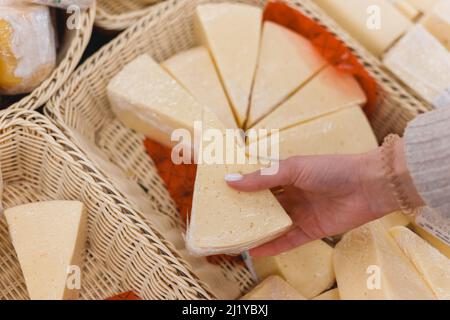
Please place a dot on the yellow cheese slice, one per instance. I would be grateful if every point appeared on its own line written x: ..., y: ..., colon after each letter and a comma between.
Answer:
x: 330, y: 91
x: 147, y: 99
x: 194, y: 69
x: 287, y: 60
x: 329, y: 295
x: 308, y: 269
x: 435, y: 242
x: 273, y: 288
x: 406, y: 8
x: 232, y: 33
x: 49, y: 239
x: 422, y: 5
x: 421, y: 62
x: 394, y: 220
x: 433, y: 266
x: 437, y: 22
x: 369, y: 265
x: 376, y: 24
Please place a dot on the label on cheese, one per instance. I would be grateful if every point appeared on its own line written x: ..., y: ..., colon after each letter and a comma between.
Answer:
x: 287, y: 60
x: 49, y: 239
x: 437, y: 22
x: 330, y: 91
x: 232, y: 33
x: 308, y: 269
x: 369, y: 265
x: 195, y: 70
x: 329, y: 295
x: 433, y: 266
x: 273, y: 288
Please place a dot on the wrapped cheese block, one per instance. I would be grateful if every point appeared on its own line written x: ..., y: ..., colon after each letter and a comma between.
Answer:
x: 273, y: 288
x: 437, y: 22
x: 27, y: 47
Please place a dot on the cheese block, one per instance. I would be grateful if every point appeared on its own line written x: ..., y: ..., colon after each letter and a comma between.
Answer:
x: 330, y: 91
x: 435, y: 242
x: 344, y: 132
x: 421, y: 62
x: 422, y: 5
x: 308, y: 269
x: 369, y: 265
x: 329, y: 295
x: 287, y: 60
x: 147, y: 99
x: 376, y: 29
x: 49, y: 239
x: 226, y: 221
x: 394, y: 220
x: 27, y: 42
x: 195, y: 70
x: 432, y: 265
x: 273, y: 288
x: 406, y: 8
x: 231, y: 31
x: 437, y: 22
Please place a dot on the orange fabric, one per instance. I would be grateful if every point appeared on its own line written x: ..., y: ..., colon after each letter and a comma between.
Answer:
x: 125, y: 296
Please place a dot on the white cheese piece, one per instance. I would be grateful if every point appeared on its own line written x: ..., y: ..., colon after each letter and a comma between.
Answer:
x: 369, y: 265
x: 406, y: 8
x: 195, y: 70
x: 329, y: 295
x: 308, y: 269
x: 28, y: 51
x: 147, y: 99
x: 49, y: 239
x: 435, y: 242
x: 330, y: 91
x: 437, y: 22
x: 422, y: 5
x: 394, y: 220
x: 287, y: 60
x: 273, y: 288
x: 232, y: 33
x: 376, y: 24
x: 421, y: 62
x: 433, y: 266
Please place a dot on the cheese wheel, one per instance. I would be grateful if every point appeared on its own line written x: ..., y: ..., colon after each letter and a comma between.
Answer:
x: 27, y: 47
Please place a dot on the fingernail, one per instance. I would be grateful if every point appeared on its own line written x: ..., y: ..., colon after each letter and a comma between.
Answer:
x: 234, y: 177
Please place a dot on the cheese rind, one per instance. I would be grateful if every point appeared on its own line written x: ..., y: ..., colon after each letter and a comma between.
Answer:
x: 49, y: 237
x: 437, y: 22
x: 308, y: 269
x: 273, y: 288
x: 231, y: 31
x: 433, y: 266
x: 195, y: 70
x: 286, y: 61
x: 329, y: 295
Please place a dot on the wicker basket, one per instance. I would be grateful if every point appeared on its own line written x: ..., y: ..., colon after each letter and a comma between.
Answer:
x: 117, y: 15
x: 70, y: 52
x: 81, y: 109
x: 124, y: 250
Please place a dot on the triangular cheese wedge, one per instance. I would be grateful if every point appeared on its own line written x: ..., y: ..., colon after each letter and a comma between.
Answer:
x: 226, y: 221
x: 49, y: 239
x: 232, y: 33
x: 273, y: 288
x: 369, y: 265
x: 431, y: 264
x: 330, y: 91
x: 287, y: 60
x: 194, y: 69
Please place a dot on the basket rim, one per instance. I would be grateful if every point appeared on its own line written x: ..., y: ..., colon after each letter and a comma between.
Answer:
x: 72, y: 154
x: 40, y: 95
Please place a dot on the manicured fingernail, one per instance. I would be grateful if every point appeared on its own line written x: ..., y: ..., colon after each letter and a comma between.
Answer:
x: 234, y: 177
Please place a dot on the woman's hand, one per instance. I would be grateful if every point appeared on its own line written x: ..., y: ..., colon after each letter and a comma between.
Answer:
x: 327, y: 195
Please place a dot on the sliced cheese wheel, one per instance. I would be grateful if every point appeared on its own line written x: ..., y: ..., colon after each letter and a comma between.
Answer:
x: 437, y: 22
x: 147, y: 99
x: 308, y: 269
x: 329, y: 295
x: 287, y: 60
x: 195, y: 70
x: 369, y: 265
x: 49, y: 239
x: 330, y: 91
x: 431, y: 264
x: 273, y: 288
x: 232, y: 33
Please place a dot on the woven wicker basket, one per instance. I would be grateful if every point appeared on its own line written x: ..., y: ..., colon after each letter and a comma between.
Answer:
x: 71, y: 49
x: 116, y: 15
x: 124, y: 251
x: 80, y: 108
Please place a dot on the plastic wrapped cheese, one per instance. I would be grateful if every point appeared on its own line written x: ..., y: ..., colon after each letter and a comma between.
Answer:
x: 27, y: 47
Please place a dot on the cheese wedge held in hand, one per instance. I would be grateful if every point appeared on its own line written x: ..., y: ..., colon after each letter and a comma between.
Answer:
x: 49, y: 239
x: 195, y: 70
x: 287, y: 60
x: 433, y: 266
x: 273, y: 288
x: 231, y: 31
